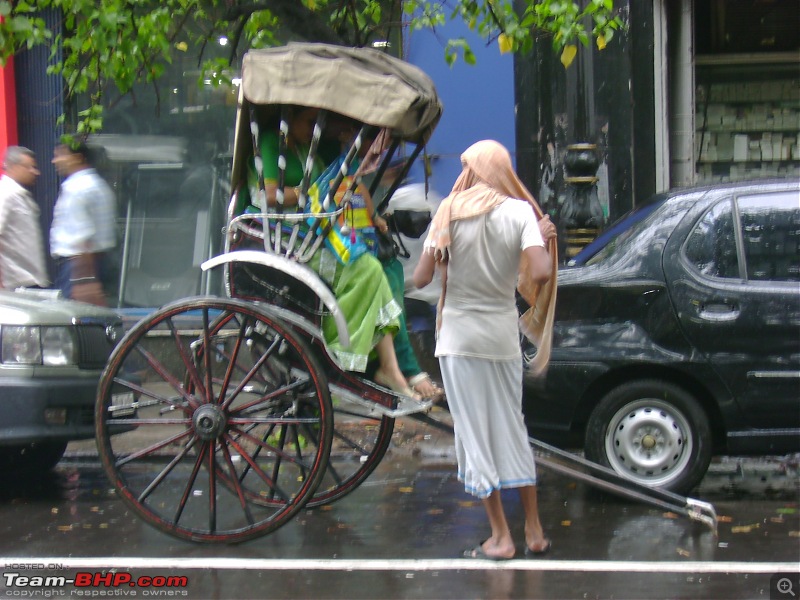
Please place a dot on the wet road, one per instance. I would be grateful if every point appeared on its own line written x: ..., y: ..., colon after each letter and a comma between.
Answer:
x: 400, y: 535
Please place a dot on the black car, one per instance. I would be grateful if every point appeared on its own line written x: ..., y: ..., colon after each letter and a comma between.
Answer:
x: 679, y: 338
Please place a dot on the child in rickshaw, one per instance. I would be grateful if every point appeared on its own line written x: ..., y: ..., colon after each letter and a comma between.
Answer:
x: 360, y: 286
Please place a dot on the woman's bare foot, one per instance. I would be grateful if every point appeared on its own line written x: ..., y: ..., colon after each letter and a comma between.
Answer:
x: 395, y: 382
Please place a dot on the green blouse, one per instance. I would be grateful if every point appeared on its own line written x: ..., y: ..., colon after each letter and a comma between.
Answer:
x: 295, y: 163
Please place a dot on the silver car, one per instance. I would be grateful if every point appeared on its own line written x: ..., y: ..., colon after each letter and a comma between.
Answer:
x: 52, y: 353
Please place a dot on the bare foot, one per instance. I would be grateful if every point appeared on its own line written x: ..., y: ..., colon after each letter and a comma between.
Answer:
x: 536, y: 540
x: 395, y: 383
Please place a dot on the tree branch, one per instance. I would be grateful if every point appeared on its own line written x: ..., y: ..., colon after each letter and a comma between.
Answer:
x: 294, y: 15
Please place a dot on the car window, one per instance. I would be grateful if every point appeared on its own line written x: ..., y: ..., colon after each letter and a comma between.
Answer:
x: 771, y: 235
x: 711, y: 247
x: 635, y: 224
x: 610, y: 235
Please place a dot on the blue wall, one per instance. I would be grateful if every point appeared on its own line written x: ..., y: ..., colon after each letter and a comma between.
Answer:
x: 478, y: 100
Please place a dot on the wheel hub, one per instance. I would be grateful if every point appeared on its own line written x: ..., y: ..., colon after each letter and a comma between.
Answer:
x: 648, y: 441
x: 209, y: 422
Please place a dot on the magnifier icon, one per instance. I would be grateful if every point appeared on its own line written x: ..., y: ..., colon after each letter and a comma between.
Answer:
x: 785, y: 586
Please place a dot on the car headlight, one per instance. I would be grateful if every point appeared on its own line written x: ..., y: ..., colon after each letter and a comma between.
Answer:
x: 21, y: 345
x: 28, y: 345
x: 58, y: 346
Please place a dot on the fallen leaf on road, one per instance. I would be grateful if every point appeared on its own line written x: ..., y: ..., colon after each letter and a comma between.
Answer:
x: 745, y: 528
x: 405, y: 490
x: 724, y: 519
x: 776, y: 520
x: 670, y: 515
x: 566, y: 523
x: 683, y: 552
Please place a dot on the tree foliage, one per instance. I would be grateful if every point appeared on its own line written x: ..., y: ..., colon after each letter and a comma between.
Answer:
x: 108, y: 46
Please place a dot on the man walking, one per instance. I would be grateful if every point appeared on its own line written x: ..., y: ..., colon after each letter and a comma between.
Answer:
x: 83, y: 229
x: 22, y: 261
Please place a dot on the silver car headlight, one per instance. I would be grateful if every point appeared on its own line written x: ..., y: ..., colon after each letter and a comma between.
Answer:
x: 58, y: 346
x: 30, y: 345
x: 21, y: 345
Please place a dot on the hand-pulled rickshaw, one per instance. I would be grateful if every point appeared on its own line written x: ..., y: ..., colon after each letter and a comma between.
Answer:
x: 219, y: 418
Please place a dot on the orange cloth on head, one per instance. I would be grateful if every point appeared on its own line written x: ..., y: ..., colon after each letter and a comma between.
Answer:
x: 488, y: 179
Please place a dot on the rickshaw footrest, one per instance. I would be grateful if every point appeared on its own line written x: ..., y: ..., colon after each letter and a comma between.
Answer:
x: 405, y: 406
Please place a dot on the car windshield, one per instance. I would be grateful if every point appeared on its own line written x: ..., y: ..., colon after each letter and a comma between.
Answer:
x: 615, y: 235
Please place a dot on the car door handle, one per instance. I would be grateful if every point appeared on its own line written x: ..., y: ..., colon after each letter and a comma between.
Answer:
x: 719, y: 312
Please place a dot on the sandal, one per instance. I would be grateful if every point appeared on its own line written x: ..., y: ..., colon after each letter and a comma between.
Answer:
x: 543, y: 549
x: 423, y: 377
x: 479, y: 553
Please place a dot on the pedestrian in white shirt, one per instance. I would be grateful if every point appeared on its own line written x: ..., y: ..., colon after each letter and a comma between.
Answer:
x: 489, y: 237
x: 83, y: 229
x: 22, y: 262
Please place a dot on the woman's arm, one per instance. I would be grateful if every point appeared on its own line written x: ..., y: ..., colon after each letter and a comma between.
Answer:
x: 290, y: 194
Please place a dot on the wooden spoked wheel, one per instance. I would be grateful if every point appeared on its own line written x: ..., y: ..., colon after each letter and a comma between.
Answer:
x: 214, y: 422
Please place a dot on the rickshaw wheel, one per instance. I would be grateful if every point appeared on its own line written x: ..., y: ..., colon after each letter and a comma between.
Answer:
x: 360, y: 440
x: 359, y: 443
x: 255, y: 421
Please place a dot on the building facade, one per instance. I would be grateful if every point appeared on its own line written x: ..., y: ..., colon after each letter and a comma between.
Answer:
x: 690, y: 92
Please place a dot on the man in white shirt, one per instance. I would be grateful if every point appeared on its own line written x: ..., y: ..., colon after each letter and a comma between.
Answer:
x: 83, y: 228
x: 22, y: 261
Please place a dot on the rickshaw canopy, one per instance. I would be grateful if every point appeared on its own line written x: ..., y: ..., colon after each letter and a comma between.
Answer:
x: 360, y: 83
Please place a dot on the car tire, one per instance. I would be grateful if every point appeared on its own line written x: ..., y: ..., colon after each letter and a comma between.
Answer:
x: 652, y: 432
x: 31, y: 458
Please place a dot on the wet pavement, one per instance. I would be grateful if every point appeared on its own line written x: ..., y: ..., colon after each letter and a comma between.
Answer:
x: 401, y: 534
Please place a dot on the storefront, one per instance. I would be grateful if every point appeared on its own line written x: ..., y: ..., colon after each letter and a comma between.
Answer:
x: 747, y: 102
x: 691, y: 92
x: 166, y: 153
